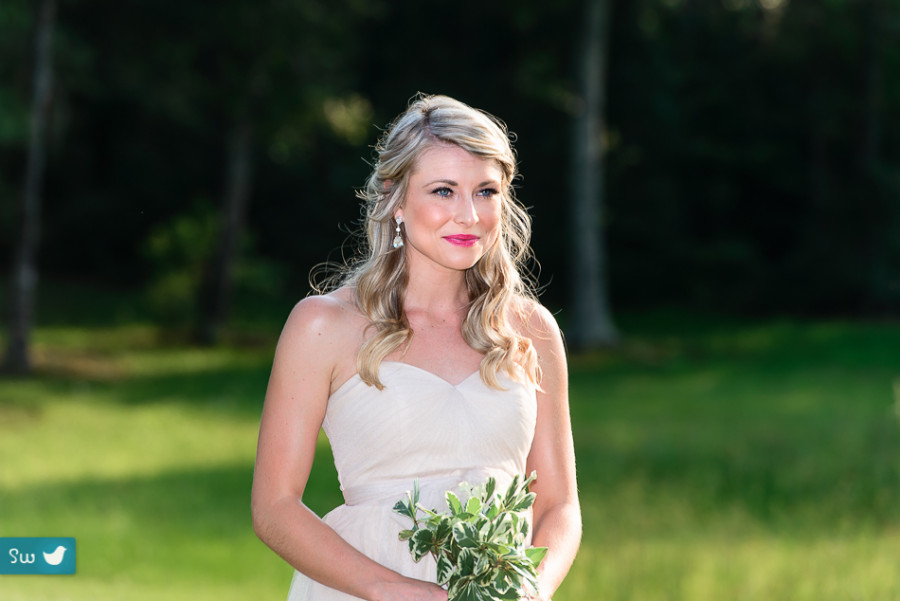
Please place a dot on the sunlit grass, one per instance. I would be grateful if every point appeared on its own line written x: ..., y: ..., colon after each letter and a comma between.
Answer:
x: 144, y: 453
x: 717, y: 459
x: 739, y: 461
x: 748, y: 567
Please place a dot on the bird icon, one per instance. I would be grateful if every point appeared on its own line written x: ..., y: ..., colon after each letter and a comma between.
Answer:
x: 55, y: 558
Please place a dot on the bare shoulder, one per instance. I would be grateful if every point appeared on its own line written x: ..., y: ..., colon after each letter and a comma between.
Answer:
x: 312, y: 315
x: 329, y: 323
x: 533, y: 320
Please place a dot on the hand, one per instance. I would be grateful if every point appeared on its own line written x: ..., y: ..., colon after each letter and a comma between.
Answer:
x: 409, y: 590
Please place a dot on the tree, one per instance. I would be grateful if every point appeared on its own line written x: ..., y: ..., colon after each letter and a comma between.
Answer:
x: 591, y: 323
x: 878, y: 192
x: 266, y: 65
x: 24, y: 269
x: 216, y: 292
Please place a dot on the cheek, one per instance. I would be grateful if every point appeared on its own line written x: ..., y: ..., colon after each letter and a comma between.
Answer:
x: 490, y: 220
x: 490, y: 217
x: 424, y: 217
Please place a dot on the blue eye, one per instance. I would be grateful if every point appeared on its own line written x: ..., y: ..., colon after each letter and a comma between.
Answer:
x: 442, y: 192
x: 488, y: 192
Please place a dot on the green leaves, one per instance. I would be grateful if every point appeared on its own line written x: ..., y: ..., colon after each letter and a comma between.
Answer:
x: 479, y: 546
x: 465, y: 535
x: 421, y: 543
x: 445, y: 569
x: 453, y: 503
x: 408, y: 507
x: 536, y: 555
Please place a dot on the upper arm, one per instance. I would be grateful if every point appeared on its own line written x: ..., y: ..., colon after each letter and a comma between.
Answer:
x: 552, y: 453
x: 296, y: 399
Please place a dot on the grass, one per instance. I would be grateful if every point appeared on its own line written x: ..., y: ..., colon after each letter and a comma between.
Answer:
x: 718, y: 459
x: 729, y: 460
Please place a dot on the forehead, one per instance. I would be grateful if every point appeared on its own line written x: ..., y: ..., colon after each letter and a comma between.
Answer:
x: 443, y: 160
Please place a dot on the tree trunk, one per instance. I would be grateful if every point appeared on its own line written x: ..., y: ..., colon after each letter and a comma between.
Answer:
x: 591, y: 325
x: 216, y: 295
x: 23, y: 285
x: 873, y: 14
x: 874, y: 208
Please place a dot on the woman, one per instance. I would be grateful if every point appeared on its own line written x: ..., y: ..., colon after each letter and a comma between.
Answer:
x: 430, y: 360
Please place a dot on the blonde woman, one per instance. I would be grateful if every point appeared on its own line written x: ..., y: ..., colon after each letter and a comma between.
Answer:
x: 430, y: 359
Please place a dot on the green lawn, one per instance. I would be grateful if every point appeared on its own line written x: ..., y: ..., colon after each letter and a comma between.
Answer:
x: 718, y: 460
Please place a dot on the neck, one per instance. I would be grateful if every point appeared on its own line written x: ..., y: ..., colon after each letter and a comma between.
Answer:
x: 436, y: 291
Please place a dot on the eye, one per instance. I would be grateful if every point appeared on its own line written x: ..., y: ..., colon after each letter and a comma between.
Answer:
x: 488, y: 192
x: 443, y: 192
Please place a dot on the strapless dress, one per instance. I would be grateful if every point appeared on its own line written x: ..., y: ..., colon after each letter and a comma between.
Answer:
x: 419, y: 426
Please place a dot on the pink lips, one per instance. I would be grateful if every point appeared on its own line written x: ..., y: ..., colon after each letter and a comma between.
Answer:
x: 461, y: 240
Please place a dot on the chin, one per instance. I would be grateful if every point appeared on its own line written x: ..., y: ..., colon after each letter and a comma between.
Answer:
x: 464, y: 263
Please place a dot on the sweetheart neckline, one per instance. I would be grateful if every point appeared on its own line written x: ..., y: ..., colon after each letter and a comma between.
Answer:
x: 433, y: 375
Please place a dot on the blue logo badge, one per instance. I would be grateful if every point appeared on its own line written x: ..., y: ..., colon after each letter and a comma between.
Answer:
x: 37, y: 555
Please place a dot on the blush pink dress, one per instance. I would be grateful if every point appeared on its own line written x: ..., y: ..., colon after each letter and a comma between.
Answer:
x: 418, y: 426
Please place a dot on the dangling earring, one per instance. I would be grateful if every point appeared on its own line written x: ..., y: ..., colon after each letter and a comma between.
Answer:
x: 398, y: 239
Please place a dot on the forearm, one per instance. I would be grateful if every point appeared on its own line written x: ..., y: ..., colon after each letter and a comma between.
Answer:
x: 302, y: 539
x: 559, y: 529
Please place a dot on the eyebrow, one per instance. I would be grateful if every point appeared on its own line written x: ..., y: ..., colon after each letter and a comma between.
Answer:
x: 450, y: 182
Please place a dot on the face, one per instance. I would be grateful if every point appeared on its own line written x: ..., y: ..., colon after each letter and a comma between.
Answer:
x: 451, y: 212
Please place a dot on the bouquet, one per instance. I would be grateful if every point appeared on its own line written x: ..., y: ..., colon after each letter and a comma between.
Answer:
x: 480, y: 546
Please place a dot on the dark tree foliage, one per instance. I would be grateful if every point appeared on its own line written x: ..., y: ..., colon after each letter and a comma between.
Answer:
x: 24, y: 265
x: 752, y: 147
x: 737, y: 158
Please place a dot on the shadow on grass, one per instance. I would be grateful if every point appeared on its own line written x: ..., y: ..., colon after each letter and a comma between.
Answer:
x: 794, y: 424
x: 820, y: 471
x: 221, y: 380
x: 665, y: 341
x: 788, y: 422
x: 235, y: 388
x: 165, y: 523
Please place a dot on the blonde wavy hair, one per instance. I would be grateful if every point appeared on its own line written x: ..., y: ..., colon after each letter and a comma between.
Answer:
x: 499, y: 286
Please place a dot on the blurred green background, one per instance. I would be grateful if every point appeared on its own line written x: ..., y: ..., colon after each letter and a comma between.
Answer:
x: 740, y: 441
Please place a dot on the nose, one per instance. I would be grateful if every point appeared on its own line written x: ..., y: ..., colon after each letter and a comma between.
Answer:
x: 466, y: 213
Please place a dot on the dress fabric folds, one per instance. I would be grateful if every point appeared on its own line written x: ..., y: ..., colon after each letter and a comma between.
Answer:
x: 418, y: 426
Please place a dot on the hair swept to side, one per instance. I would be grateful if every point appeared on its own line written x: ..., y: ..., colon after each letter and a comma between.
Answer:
x: 499, y: 285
